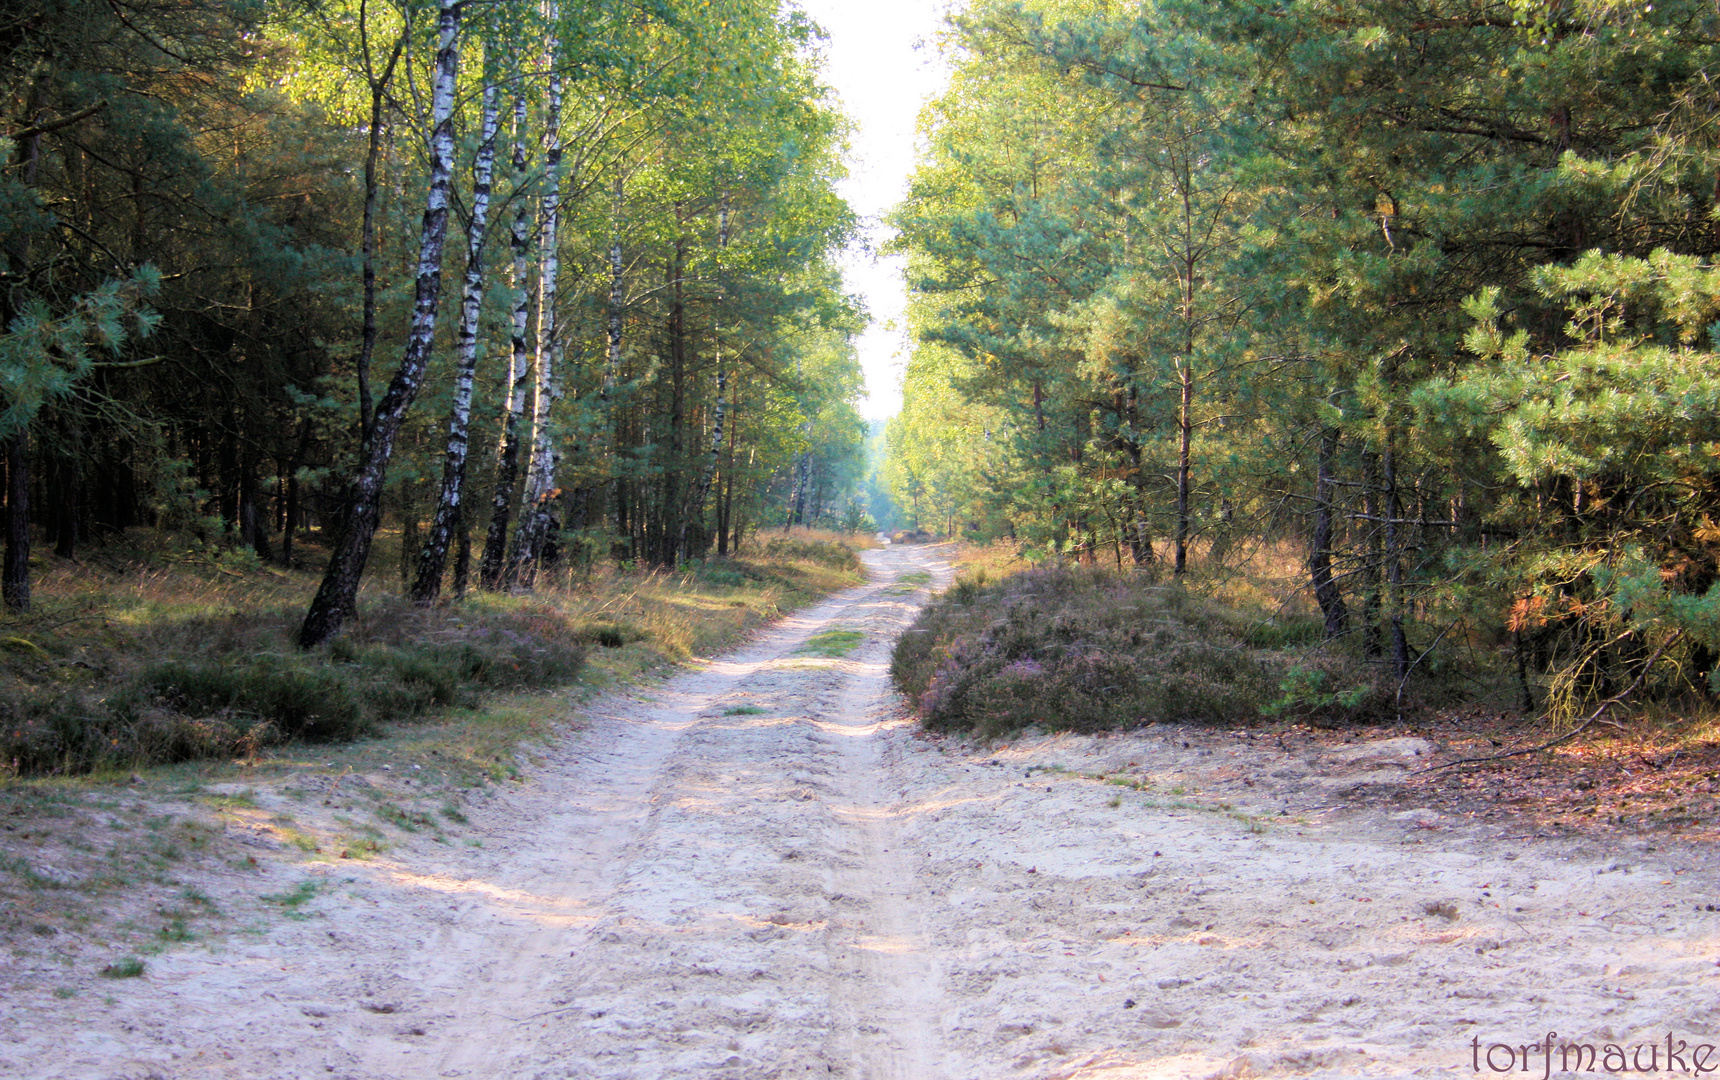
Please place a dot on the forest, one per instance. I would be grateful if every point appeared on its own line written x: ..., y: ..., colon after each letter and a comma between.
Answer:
x: 1417, y: 298
x: 523, y: 284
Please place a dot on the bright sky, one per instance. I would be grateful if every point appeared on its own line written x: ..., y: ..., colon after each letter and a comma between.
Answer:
x: 883, y: 63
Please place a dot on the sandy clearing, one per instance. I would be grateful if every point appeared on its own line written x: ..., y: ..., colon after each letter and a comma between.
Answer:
x: 759, y: 869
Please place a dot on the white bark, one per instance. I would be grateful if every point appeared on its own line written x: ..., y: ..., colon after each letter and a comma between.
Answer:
x: 617, y: 300
x: 696, y: 504
x: 536, y: 521
x: 338, y: 594
x: 449, y: 508
x: 519, y: 370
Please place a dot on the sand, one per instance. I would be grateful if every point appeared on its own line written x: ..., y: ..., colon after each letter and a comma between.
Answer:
x: 761, y: 868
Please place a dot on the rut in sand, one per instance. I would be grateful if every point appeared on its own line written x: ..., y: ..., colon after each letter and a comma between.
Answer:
x: 761, y: 869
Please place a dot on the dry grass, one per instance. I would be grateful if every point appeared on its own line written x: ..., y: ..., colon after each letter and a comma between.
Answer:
x: 157, y: 656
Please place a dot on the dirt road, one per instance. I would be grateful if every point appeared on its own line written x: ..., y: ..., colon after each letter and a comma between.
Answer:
x: 759, y: 869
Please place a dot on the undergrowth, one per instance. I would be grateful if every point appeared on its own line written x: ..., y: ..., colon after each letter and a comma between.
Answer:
x: 125, y: 665
x: 1084, y: 649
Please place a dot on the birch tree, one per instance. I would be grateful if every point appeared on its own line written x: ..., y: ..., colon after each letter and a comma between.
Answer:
x: 337, y: 597
x: 450, y: 507
x: 494, y: 569
x: 537, y: 502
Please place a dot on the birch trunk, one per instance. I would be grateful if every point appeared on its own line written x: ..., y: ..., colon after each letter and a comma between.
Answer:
x: 696, y: 500
x: 338, y: 594
x: 617, y: 302
x: 531, y: 541
x: 450, y: 507
x: 492, y: 571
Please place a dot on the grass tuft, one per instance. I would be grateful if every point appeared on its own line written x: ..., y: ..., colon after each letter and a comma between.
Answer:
x: 833, y: 644
x: 126, y: 967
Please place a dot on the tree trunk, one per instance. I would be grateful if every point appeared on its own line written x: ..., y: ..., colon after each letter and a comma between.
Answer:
x: 532, y: 539
x: 797, y: 499
x: 15, y: 567
x: 1394, y: 560
x: 64, y: 491
x: 664, y: 546
x: 492, y: 573
x: 253, y: 522
x: 696, y: 501
x: 1371, y: 556
x: 726, y: 487
x: 617, y: 302
x: 450, y: 506
x: 338, y: 594
x: 15, y: 574
x: 290, y: 522
x: 367, y: 243
x: 1326, y: 591
x: 463, y: 559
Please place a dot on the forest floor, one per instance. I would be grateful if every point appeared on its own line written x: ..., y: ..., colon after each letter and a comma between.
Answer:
x: 761, y: 868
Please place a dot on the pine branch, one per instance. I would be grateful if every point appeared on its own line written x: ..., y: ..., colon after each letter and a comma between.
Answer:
x: 1592, y: 719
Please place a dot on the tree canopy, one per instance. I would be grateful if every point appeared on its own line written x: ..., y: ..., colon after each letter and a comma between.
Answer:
x: 217, y: 249
x: 1426, y: 287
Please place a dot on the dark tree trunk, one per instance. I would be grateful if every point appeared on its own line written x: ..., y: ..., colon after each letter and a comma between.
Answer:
x: 337, y: 596
x: 253, y: 521
x: 1372, y: 558
x: 726, y: 497
x: 463, y: 560
x: 15, y: 574
x: 1185, y: 444
x: 1394, y: 560
x: 1326, y: 591
x: 367, y: 241
x: 290, y: 520
x: 65, y: 494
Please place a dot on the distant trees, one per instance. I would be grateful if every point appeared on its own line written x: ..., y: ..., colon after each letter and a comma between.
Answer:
x: 1417, y: 283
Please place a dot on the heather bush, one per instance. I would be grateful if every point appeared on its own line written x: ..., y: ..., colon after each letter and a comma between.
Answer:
x: 230, y: 685
x: 1085, y: 650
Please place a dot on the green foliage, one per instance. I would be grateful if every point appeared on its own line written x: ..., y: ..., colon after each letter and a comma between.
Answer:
x: 44, y: 356
x: 1304, y: 694
x: 1428, y: 292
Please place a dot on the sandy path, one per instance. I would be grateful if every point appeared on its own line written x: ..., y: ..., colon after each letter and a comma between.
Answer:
x: 760, y: 870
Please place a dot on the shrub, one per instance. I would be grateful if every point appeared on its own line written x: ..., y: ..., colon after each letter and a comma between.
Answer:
x: 303, y: 699
x: 1084, y: 650
x: 823, y: 552
x: 232, y: 688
